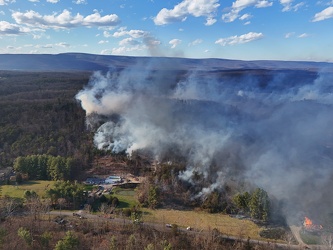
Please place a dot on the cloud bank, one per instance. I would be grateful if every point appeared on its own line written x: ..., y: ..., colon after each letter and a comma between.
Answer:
x: 63, y: 20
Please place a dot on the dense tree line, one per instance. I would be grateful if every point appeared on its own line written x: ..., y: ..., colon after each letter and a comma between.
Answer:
x: 39, y: 115
x: 256, y: 204
x: 44, y: 167
x: 67, y: 194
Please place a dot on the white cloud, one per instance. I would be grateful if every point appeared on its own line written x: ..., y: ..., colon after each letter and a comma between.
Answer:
x: 324, y: 14
x: 245, y: 17
x: 34, y: 1
x: 50, y: 46
x: 174, y: 43
x: 103, y: 41
x: 124, y: 50
x: 47, y: 46
x: 36, y: 37
x: 233, y: 40
x: 106, y: 34
x: 63, y: 20
x: 240, y: 5
x: 2, y: 13
x: 288, y: 5
x: 290, y: 34
x: 231, y: 16
x: 297, y: 6
x: 264, y: 4
x: 137, y: 40
x: 304, y: 35
x: 286, y: 1
x: 63, y: 44
x: 106, y: 52
x: 195, y: 42
x: 133, y: 33
x: 181, y: 11
x: 12, y: 29
x: 52, y: 1
x: 80, y: 2
x: 129, y: 42
x: 6, y: 2
x: 210, y: 21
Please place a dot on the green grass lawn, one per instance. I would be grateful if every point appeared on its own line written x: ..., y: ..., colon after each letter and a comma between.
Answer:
x: 126, y: 197
x: 17, y: 191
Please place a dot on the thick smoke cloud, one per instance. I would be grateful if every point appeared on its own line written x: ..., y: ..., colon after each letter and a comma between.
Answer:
x: 270, y: 128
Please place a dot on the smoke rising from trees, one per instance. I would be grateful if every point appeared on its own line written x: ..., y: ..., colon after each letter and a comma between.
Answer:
x: 270, y: 128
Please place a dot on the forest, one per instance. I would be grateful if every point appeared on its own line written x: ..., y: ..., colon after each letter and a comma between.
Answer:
x: 39, y: 115
x: 44, y: 136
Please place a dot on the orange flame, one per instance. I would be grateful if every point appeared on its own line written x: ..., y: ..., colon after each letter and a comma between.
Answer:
x: 307, y: 222
x: 310, y: 226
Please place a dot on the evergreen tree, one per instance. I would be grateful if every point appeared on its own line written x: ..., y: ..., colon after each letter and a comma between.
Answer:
x: 69, y: 242
x: 260, y: 205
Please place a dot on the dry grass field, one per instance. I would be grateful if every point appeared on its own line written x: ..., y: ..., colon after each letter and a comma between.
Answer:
x: 205, y: 221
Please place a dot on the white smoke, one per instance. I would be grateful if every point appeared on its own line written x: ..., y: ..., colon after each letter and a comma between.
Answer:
x: 273, y: 130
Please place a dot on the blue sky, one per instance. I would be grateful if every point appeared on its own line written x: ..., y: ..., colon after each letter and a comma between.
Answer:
x: 239, y: 29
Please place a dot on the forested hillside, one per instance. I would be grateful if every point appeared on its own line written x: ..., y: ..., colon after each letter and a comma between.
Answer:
x: 39, y: 115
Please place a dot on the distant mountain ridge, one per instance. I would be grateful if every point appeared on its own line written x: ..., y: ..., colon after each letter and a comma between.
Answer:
x: 93, y: 62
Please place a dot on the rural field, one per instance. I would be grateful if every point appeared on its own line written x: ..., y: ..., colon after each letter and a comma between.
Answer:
x: 204, y: 221
x: 197, y: 220
x: 17, y: 191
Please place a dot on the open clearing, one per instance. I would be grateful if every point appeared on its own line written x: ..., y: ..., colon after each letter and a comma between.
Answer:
x: 205, y: 221
x: 17, y: 191
x: 196, y: 219
x: 127, y: 197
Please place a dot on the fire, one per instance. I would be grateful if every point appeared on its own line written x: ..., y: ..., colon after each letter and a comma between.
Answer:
x: 308, y: 224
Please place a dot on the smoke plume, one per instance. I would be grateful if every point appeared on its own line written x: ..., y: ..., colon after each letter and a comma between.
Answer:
x: 270, y: 128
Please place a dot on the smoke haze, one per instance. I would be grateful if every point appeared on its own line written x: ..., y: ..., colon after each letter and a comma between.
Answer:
x: 270, y: 128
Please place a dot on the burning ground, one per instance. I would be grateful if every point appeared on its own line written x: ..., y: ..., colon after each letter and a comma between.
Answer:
x: 269, y: 128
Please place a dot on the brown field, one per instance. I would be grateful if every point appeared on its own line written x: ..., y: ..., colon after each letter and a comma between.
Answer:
x: 205, y: 221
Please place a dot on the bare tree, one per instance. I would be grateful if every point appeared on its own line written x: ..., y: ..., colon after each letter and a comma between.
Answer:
x: 35, y: 207
x: 61, y: 202
x: 8, y: 206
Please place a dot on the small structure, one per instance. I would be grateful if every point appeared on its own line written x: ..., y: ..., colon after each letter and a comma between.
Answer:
x: 113, y: 179
x: 94, y: 180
